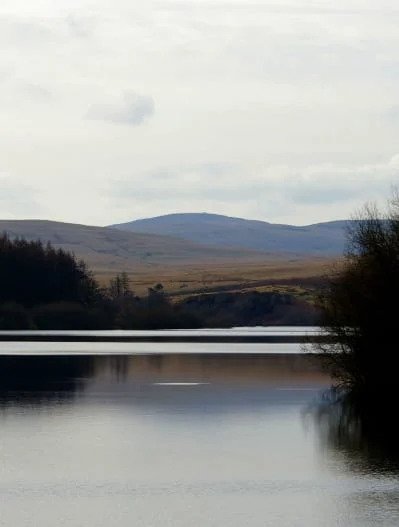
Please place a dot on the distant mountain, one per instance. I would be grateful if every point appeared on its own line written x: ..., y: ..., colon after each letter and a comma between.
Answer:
x: 320, y: 239
x: 108, y: 249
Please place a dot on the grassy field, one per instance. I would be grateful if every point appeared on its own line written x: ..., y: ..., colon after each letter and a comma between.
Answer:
x: 299, y: 277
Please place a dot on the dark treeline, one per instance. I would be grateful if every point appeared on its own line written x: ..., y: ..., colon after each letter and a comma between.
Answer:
x: 31, y: 274
x: 46, y: 288
x: 250, y: 308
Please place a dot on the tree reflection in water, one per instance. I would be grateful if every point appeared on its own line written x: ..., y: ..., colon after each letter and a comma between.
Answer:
x: 365, y: 432
x: 41, y: 379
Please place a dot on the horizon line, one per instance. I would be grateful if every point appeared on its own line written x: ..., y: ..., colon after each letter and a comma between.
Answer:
x: 112, y: 225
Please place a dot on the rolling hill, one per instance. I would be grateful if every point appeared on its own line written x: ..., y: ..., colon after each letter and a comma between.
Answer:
x: 108, y: 249
x: 321, y: 239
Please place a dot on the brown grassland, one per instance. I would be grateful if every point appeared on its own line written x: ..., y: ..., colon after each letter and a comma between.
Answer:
x: 296, y: 276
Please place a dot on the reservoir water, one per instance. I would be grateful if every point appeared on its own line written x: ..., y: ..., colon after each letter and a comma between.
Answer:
x: 181, y: 439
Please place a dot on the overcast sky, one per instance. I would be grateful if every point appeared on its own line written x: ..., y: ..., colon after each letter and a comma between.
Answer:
x: 122, y: 109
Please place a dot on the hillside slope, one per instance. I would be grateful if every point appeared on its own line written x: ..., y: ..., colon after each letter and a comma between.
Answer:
x: 321, y: 239
x: 115, y: 250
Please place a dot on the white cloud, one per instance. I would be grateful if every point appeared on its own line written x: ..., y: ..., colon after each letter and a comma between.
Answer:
x: 280, y: 111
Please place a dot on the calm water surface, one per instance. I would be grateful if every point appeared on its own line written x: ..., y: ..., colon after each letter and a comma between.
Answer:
x: 181, y: 440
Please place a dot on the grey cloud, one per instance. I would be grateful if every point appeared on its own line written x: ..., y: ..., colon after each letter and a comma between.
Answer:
x: 200, y: 171
x: 36, y: 92
x: 28, y: 30
x: 133, y: 110
x: 240, y: 191
x: 80, y: 26
x: 270, y: 8
x: 392, y: 114
x: 5, y: 72
x: 311, y: 187
x: 334, y: 185
x: 205, y: 181
x: 174, y: 193
x: 320, y: 193
x: 17, y: 198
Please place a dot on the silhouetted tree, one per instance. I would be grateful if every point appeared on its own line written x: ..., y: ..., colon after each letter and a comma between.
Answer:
x: 31, y: 274
x: 119, y: 286
x: 359, y: 305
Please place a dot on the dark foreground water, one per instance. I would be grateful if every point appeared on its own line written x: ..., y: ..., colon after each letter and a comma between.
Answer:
x: 182, y: 441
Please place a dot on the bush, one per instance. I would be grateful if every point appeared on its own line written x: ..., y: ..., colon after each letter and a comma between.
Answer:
x: 67, y: 315
x: 14, y: 316
x: 358, y: 305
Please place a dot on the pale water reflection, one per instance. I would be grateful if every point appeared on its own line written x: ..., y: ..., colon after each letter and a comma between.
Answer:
x: 178, y: 440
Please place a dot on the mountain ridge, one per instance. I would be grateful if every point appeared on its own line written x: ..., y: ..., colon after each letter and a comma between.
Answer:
x: 183, y: 239
x: 319, y: 239
x: 113, y: 249
x: 214, y: 215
